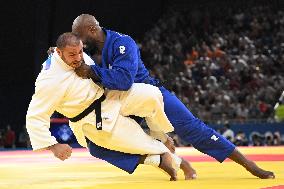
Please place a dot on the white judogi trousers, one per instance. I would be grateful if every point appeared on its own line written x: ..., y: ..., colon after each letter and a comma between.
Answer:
x: 127, y: 135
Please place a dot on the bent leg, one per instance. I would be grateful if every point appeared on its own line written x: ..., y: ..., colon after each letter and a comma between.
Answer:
x: 205, y: 139
x: 145, y: 100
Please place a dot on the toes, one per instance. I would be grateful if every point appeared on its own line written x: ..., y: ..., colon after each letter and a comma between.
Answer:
x: 189, y: 172
x: 192, y: 177
x: 271, y: 176
x: 173, y: 179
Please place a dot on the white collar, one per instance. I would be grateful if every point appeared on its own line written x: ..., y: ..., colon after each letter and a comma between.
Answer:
x: 61, y: 63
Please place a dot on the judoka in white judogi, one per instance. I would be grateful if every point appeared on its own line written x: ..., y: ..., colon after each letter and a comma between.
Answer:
x: 58, y: 88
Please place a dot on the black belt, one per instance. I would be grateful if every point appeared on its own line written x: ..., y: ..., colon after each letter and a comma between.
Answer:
x: 96, y: 105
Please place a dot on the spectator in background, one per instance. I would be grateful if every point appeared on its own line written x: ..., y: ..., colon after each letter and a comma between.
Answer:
x: 1, y: 139
x: 268, y: 138
x: 23, y: 139
x: 241, y: 139
x: 9, y: 138
x: 256, y: 139
x: 276, y: 138
x: 228, y: 133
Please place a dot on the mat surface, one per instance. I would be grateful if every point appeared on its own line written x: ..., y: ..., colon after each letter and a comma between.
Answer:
x: 41, y: 170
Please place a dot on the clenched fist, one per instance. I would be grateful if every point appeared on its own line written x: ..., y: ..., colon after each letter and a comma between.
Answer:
x: 61, y: 151
x: 84, y: 71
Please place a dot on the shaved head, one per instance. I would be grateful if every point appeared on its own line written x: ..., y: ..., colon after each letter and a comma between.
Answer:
x: 91, y: 34
x: 84, y: 21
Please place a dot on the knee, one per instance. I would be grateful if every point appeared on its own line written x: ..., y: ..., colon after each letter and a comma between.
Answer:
x: 148, y: 93
x: 154, y: 94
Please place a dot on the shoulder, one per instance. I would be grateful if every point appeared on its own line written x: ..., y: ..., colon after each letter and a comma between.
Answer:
x: 119, y: 38
x: 125, y: 39
x: 124, y: 44
x: 46, y: 81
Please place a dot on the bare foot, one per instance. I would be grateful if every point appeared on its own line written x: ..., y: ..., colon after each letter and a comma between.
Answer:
x: 239, y: 158
x: 166, y: 165
x: 258, y: 172
x: 189, y: 172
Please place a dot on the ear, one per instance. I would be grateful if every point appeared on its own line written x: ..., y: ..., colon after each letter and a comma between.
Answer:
x: 59, y: 52
x: 92, y: 29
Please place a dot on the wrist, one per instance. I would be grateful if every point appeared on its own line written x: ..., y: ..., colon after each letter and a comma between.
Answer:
x: 51, y: 147
x: 94, y: 76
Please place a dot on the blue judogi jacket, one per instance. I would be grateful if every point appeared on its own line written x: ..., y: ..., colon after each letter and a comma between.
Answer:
x: 121, y: 63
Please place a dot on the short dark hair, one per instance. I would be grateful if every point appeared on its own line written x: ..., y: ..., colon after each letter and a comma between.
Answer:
x: 67, y: 38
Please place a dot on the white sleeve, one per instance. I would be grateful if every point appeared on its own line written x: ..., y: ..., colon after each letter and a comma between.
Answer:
x: 42, y: 105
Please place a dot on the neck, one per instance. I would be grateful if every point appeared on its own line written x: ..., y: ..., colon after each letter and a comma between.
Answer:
x: 100, y: 43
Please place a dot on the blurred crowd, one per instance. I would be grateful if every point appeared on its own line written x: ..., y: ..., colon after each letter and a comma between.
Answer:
x: 240, y: 138
x: 225, y: 63
x: 255, y: 138
x: 10, y: 139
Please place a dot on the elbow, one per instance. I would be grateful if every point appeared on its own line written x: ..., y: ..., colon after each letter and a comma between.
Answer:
x: 122, y: 84
x: 123, y: 88
x: 126, y: 85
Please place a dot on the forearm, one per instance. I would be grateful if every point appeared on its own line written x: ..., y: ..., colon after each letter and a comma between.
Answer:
x: 38, y: 130
x: 39, y: 140
x: 114, y: 79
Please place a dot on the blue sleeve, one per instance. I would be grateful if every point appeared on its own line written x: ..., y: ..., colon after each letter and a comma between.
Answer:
x: 124, y: 68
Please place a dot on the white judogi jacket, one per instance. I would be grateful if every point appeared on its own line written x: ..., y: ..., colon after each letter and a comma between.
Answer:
x: 58, y: 88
